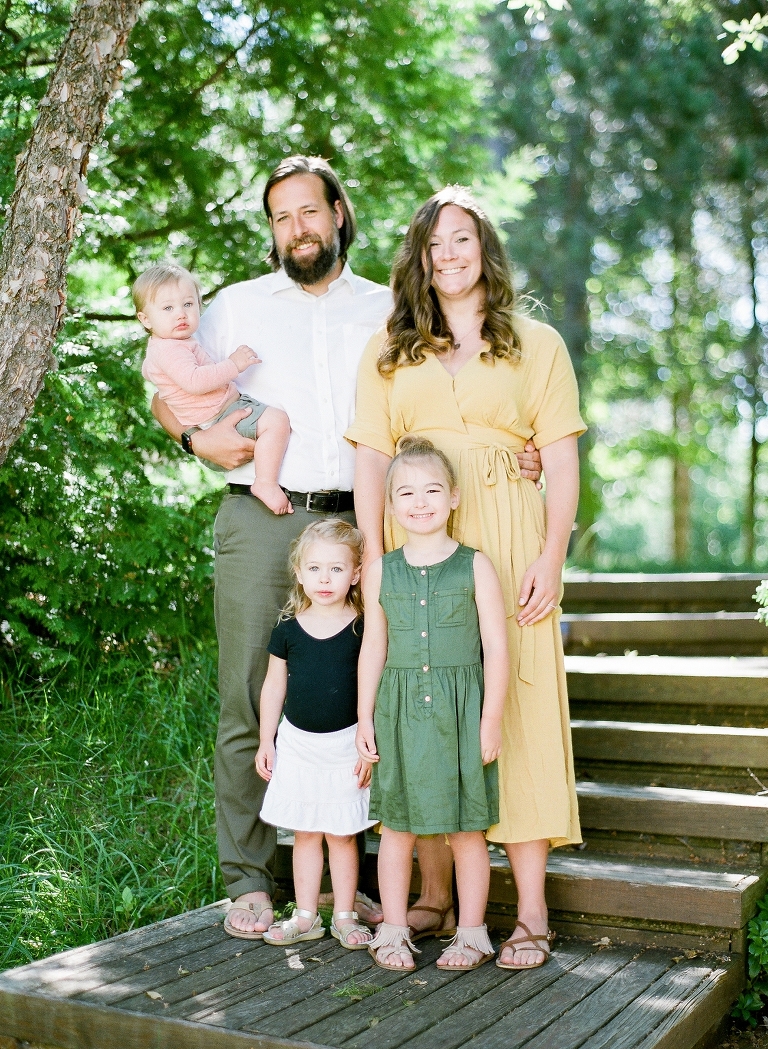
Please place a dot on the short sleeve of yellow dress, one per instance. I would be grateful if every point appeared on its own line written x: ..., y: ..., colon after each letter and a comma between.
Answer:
x: 480, y: 418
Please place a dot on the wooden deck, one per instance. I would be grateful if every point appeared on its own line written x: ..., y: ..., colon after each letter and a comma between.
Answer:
x: 184, y: 984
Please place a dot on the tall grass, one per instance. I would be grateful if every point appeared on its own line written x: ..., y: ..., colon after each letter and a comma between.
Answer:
x: 107, y: 817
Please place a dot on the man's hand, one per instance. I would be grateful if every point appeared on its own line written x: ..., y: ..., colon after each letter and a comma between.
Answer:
x: 244, y: 357
x: 530, y: 463
x: 222, y: 444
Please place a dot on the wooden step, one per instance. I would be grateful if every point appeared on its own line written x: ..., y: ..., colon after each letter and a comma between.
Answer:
x: 596, y: 592
x: 584, y: 883
x: 652, y: 743
x: 683, y: 633
x: 673, y: 811
x: 708, y: 689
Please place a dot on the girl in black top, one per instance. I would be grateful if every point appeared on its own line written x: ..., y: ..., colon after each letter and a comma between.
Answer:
x: 318, y: 786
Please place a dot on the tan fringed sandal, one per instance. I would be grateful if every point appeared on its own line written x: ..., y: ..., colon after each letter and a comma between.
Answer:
x: 395, y: 939
x: 474, y: 939
x: 529, y: 942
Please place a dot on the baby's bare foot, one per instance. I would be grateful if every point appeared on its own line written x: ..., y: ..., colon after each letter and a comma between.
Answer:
x: 272, y: 495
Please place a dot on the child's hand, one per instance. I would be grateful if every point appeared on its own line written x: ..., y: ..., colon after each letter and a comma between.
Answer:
x: 490, y: 740
x: 265, y: 760
x: 363, y: 773
x: 365, y: 741
x: 244, y: 357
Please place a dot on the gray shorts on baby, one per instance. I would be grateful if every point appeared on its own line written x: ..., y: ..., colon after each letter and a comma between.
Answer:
x: 246, y: 427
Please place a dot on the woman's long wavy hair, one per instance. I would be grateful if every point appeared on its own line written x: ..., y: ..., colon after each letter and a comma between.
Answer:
x: 416, y: 326
x: 330, y: 530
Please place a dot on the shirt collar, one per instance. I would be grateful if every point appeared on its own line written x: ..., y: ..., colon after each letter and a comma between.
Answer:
x: 282, y: 282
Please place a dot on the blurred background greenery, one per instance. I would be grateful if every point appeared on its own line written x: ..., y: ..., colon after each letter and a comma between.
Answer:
x: 627, y: 166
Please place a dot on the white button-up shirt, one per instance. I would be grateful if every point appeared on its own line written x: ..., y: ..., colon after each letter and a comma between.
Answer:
x: 310, y: 346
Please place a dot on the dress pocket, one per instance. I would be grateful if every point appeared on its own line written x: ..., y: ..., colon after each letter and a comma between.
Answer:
x: 451, y: 607
x: 400, y: 610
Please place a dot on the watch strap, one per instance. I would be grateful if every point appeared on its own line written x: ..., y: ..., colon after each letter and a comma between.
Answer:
x: 186, y: 436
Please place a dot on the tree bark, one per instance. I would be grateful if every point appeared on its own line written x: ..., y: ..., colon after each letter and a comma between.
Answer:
x: 45, y: 206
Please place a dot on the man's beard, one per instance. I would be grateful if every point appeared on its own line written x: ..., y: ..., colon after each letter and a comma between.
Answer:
x: 311, y: 271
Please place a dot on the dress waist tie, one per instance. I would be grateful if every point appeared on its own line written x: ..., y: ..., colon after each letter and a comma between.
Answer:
x: 501, y: 464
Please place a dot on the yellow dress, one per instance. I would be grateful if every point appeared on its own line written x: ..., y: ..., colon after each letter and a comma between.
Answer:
x: 480, y: 417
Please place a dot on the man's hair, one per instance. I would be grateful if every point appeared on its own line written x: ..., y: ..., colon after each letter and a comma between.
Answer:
x: 148, y: 283
x: 416, y: 326
x: 334, y: 190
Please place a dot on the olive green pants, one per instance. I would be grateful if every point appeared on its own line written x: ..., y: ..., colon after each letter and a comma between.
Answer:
x: 252, y: 580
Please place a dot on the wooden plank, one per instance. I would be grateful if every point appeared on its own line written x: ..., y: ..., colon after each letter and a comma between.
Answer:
x: 65, y: 1024
x: 699, y: 1011
x: 671, y: 744
x: 604, y: 885
x: 458, y: 1013
x: 713, y: 590
x: 636, y: 629
x: 588, y: 1016
x: 683, y: 680
x: 80, y: 960
x: 673, y: 810
x: 643, y: 1016
x: 517, y: 1028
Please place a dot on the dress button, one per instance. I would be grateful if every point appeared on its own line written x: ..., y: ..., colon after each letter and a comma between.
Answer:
x: 423, y: 571
x: 422, y: 602
x: 425, y: 668
x: 423, y: 633
x: 427, y: 699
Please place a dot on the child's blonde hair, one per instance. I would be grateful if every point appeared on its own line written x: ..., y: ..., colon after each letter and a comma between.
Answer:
x: 415, y: 449
x: 331, y: 530
x: 148, y: 283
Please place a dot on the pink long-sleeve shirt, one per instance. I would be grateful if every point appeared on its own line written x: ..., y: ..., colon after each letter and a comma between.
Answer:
x: 193, y: 387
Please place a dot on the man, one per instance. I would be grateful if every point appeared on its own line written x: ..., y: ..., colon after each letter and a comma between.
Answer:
x: 309, y: 322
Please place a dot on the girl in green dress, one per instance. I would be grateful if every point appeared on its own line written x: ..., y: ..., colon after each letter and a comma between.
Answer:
x: 429, y: 714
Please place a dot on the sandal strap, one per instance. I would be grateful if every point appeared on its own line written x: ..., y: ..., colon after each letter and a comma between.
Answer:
x: 432, y: 910
x: 250, y: 906
x: 299, y: 913
x: 546, y: 938
x: 393, y: 936
x: 345, y: 915
x: 473, y: 936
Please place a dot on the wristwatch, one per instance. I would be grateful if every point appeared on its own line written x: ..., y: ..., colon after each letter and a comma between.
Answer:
x: 185, y: 439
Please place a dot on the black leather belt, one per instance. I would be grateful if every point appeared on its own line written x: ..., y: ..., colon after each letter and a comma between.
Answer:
x: 314, y: 502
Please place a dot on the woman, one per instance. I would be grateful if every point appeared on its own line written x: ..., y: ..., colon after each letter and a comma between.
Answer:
x: 458, y: 365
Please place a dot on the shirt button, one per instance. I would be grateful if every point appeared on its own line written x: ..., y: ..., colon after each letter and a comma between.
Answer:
x: 425, y: 668
x: 423, y: 633
x: 427, y: 699
x: 422, y: 602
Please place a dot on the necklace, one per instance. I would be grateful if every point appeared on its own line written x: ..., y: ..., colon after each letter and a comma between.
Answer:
x: 456, y: 343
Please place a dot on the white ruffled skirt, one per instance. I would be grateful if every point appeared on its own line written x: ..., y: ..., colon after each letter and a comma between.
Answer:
x: 313, y: 785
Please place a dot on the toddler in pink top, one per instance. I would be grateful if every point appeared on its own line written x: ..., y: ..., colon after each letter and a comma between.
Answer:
x: 199, y: 392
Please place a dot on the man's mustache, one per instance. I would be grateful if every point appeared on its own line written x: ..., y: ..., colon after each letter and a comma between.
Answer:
x: 301, y: 242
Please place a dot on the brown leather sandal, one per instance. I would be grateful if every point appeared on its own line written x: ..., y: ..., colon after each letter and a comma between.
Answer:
x: 438, y: 928
x: 536, y: 943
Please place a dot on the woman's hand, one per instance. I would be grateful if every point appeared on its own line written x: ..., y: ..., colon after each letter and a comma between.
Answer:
x: 365, y: 741
x: 363, y: 773
x: 490, y: 739
x: 265, y: 760
x: 540, y: 592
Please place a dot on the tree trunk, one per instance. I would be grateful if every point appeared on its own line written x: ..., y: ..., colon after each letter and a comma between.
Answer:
x: 46, y: 202
x: 681, y: 478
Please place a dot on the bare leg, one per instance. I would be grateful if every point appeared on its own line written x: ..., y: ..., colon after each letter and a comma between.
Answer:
x: 436, y: 866
x: 272, y: 432
x: 473, y: 876
x: 395, y: 865
x: 342, y: 857
x: 528, y: 860
x: 307, y: 872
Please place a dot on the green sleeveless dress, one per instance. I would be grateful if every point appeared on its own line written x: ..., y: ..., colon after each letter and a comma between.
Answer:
x: 430, y: 778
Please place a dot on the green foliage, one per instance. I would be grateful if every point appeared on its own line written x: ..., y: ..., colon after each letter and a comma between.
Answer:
x: 761, y: 596
x: 754, y: 1001
x: 107, y: 820
x: 96, y: 560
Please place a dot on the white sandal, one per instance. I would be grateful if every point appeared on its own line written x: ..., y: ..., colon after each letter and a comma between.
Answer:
x: 342, y: 935
x: 292, y: 931
x: 472, y: 938
x: 398, y: 937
